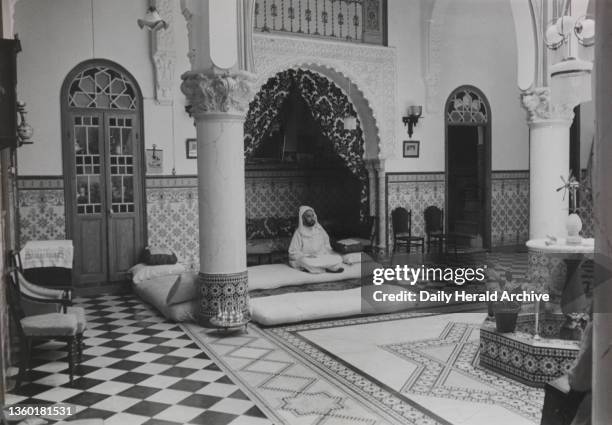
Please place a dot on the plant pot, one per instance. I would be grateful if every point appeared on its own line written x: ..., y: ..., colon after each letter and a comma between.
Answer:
x: 505, y: 320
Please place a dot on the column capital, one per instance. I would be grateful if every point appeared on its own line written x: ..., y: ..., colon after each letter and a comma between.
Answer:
x: 540, y: 109
x: 213, y: 91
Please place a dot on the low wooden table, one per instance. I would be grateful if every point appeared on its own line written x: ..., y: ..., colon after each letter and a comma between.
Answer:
x: 261, y: 252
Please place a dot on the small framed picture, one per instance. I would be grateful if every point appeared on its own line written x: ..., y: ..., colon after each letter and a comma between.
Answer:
x: 191, y: 147
x: 411, y: 148
x: 155, y: 160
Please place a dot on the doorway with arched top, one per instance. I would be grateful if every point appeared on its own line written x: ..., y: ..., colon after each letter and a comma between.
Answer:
x: 103, y: 170
x: 467, y: 116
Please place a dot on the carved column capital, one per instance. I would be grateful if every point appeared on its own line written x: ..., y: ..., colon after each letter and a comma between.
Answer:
x: 213, y: 91
x: 540, y: 109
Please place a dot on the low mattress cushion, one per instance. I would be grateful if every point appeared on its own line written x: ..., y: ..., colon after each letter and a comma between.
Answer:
x: 156, y: 292
x: 184, y: 288
x: 299, y: 307
x: 272, y: 276
x: 141, y: 272
x: 316, y: 305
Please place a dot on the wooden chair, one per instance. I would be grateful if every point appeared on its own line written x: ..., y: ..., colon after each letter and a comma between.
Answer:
x: 47, y: 326
x: 401, y: 220
x: 434, y: 226
x: 15, y: 261
x: 434, y: 229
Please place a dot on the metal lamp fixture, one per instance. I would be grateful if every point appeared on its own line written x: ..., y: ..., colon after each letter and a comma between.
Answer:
x: 152, y: 20
x: 24, y: 130
x: 410, y: 120
x: 570, y: 77
x: 558, y: 31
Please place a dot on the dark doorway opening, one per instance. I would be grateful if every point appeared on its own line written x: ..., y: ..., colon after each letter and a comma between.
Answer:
x: 468, y: 168
x: 466, y: 179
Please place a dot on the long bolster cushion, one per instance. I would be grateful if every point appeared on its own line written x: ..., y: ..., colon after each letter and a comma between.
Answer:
x: 156, y: 292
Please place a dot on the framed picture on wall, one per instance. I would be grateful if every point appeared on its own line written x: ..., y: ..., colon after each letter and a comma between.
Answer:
x: 155, y: 160
x: 191, y: 147
x: 411, y: 148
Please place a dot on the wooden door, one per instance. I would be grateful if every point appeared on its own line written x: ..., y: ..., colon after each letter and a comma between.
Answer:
x: 106, y: 212
x: 103, y: 169
x: 124, y: 215
x: 87, y: 197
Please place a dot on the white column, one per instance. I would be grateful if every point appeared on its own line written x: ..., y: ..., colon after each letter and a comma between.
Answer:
x: 218, y: 93
x: 602, y: 294
x: 548, y: 161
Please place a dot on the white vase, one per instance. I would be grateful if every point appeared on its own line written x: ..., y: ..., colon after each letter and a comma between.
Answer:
x: 573, y: 224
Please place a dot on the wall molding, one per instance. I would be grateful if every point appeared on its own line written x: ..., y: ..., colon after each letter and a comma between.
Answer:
x: 40, y: 182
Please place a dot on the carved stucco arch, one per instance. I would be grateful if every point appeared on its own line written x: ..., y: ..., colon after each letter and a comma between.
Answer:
x: 342, y: 79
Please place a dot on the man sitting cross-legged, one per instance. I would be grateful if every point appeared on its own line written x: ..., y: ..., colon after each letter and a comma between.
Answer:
x: 310, y: 249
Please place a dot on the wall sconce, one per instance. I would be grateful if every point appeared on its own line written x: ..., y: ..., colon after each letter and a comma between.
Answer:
x: 414, y: 113
x: 24, y: 130
x: 152, y: 21
x: 570, y: 78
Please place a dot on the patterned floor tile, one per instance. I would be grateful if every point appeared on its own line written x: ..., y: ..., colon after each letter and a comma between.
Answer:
x: 137, y: 368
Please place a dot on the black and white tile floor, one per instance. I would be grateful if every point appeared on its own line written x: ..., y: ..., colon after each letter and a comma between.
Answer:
x: 137, y: 368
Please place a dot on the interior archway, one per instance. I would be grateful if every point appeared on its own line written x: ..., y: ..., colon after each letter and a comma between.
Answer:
x: 296, y: 122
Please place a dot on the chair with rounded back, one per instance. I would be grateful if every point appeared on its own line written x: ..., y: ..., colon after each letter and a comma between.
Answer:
x: 47, y: 326
x: 401, y: 220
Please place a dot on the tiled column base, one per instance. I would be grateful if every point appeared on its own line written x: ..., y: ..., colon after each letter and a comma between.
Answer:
x: 520, y: 357
x: 225, y: 290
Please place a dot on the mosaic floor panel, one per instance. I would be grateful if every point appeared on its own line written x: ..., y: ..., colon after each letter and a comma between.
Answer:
x: 406, y: 368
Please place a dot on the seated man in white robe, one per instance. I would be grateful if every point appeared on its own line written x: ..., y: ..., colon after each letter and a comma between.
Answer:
x: 310, y: 249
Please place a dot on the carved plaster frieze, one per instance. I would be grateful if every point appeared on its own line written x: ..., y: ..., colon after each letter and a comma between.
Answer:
x: 432, y: 86
x: 188, y: 15
x: 213, y: 91
x: 10, y: 13
x: 163, y: 54
x: 164, y: 62
x: 540, y: 109
x: 373, y: 69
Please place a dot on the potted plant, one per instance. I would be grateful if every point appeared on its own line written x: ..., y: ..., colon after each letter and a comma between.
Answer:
x: 505, y: 312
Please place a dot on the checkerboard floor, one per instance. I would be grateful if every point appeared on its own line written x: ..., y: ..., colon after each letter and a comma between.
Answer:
x: 137, y: 368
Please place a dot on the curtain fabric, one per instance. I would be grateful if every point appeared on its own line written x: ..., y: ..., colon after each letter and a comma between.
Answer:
x: 328, y: 105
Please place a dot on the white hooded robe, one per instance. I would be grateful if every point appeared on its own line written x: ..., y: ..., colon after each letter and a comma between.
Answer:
x: 310, y: 249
